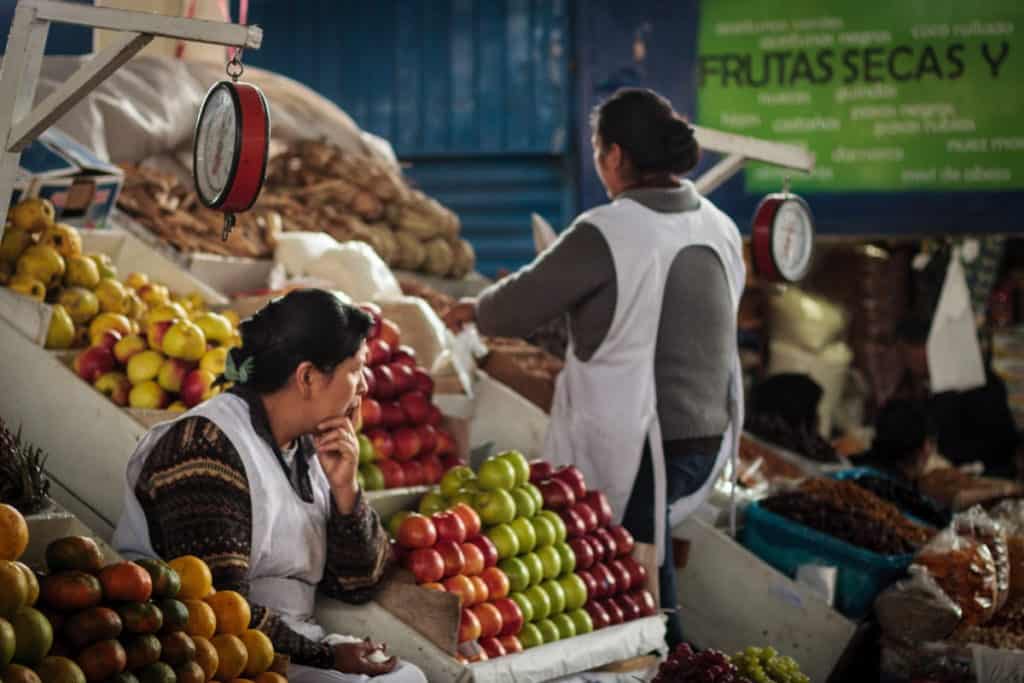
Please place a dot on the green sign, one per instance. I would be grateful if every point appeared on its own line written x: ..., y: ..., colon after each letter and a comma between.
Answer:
x: 902, y: 95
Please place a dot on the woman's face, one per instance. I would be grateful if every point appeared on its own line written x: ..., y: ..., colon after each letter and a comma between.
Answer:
x: 341, y: 392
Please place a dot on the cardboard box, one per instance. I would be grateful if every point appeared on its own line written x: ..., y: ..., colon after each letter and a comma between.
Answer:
x: 82, y: 187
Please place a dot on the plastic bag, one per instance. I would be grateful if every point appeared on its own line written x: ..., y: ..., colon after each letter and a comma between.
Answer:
x: 296, y: 250
x: 965, y: 570
x: 977, y: 524
x: 917, y: 609
x: 806, y: 321
x: 355, y: 268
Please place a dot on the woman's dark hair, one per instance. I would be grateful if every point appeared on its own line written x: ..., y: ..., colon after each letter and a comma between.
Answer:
x: 901, y: 429
x: 656, y: 139
x: 305, y: 325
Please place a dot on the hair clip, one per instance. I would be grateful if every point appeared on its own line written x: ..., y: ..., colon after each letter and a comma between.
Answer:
x: 239, y: 374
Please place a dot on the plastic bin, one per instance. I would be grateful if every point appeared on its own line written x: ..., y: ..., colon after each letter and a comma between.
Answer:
x: 786, y: 545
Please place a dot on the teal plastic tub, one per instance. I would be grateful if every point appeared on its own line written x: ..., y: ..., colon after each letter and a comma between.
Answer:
x: 786, y: 545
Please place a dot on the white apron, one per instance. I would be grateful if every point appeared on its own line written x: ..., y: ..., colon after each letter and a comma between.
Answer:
x: 289, y: 536
x: 604, y: 408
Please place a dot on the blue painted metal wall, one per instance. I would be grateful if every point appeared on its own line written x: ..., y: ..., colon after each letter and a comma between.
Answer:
x: 473, y: 94
x: 62, y: 39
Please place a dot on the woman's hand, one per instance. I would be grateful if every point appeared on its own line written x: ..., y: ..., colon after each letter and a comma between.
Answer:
x: 362, y: 658
x: 460, y: 314
x: 337, y: 449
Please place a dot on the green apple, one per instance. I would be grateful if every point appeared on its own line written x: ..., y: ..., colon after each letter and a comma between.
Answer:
x: 556, y: 596
x: 396, y: 521
x: 568, y: 558
x: 534, y: 566
x: 517, y: 573
x: 538, y: 597
x: 527, y: 536
x: 564, y: 624
x: 366, y: 452
x: 548, y: 631
x: 551, y: 561
x: 530, y: 636
x: 432, y: 502
x: 557, y: 522
x: 575, y: 591
x: 525, y: 606
x: 525, y: 507
x: 543, y: 530
x: 463, y: 496
x: 582, y: 621
x: 455, y: 479
x: 538, y: 497
x: 496, y: 474
x: 495, y: 507
x: 519, y: 465
x: 373, y: 477
x: 504, y: 539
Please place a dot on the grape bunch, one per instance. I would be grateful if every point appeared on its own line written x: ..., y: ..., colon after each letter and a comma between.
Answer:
x: 764, y: 665
x: 708, y: 666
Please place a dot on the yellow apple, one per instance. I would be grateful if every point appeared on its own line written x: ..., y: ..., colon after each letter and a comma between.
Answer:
x: 144, y: 366
x: 232, y: 317
x: 81, y: 304
x: 28, y: 286
x: 173, y: 373
x: 137, y: 280
x: 113, y: 297
x: 109, y: 321
x: 155, y: 333
x: 14, y: 244
x: 214, y: 360
x: 177, y: 407
x: 115, y: 386
x: 44, y: 263
x: 137, y: 308
x: 169, y: 311
x: 82, y: 271
x: 218, y: 329
x: 147, y: 395
x: 105, y: 265
x: 185, y: 340
x: 154, y: 294
x: 64, y: 238
x: 61, y: 332
x: 33, y: 214
x: 128, y: 347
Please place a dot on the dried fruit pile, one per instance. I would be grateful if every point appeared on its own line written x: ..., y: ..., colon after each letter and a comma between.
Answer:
x: 311, y: 186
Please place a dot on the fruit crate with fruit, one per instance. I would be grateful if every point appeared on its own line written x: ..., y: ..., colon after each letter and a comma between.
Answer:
x: 534, y: 559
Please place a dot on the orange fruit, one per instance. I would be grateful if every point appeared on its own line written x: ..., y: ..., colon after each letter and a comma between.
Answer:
x: 141, y: 651
x: 13, y: 533
x: 33, y: 636
x: 232, y: 612
x: 60, y: 670
x: 166, y: 582
x: 70, y: 591
x: 261, y: 652
x: 17, y: 673
x: 80, y: 553
x: 126, y: 582
x: 240, y: 680
x: 270, y: 677
x: 190, y: 673
x: 33, y: 583
x: 232, y: 656
x: 201, y: 619
x: 14, y: 589
x: 196, y: 580
x: 206, y: 656
x: 175, y: 615
x: 177, y: 649
x: 102, y: 660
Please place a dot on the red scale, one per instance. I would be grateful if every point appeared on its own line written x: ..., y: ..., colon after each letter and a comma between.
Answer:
x: 782, y: 238
x: 232, y: 140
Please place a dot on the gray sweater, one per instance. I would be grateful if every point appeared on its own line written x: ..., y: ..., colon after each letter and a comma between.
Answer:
x: 696, y: 333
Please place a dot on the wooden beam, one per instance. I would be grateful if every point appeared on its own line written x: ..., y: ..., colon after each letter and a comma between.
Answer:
x: 777, y: 153
x: 718, y: 174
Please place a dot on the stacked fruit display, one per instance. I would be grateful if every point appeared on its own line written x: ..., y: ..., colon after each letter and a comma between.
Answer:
x: 615, y: 581
x: 130, y: 622
x: 710, y: 666
x: 403, y: 442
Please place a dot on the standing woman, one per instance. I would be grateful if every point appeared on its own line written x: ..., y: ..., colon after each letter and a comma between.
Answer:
x: 260, y: 483
x: 649, y: 405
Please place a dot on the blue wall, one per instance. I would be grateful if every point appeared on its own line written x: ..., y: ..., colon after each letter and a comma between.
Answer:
x: 62, y: 39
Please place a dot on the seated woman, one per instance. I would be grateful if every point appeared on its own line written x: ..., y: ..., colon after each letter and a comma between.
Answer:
x: 260, y: 482
x: 903, y: 441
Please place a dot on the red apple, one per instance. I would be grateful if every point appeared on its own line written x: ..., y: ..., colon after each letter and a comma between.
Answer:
x: 637, y: 571
x: 451, y: 553
x: 474, y: 559
x: 390, y: 332
x: 434, y: 417
x: 108, y: 340
x: 404, y: 354
x: 572, y: 476
x: 630, y: 610
x: 115, y: 386
x: 371, y: 381
x: 557, y: 494
x: 384, y: 382
x: 606, y: 585
x: 196, y: 387
x: 469, y: 626
x: 394, y: 475
x: 414, y: 475
x: 511, y: 616
x: 645, y: 601
x: 94, y: 362
x: 461, y: 586
x: 425, y: 564
x: 423, y: 382
x: 403, y: 376
x: 371, y: 412
x: 432, y: 469
x: 623, y: 540
x: 428, y: 439
x: 611, y: 548
x: 451, y: 460
x: 470, y: 519
x: 372, y: 310
x: 380, y: 352
x: 623, y: 577
x: 487, y: 547
x: 615, y: 615
x: 445, y: 443
x: 599, y: 502
x: 450, y: 526
x: 540, y: 470
x: 589, y: 581
x: 584, y: 553
x: 586, y: 514
x: 574, y: 526
x: 416, y: 407
x: 498, y: 584
x: 417, y: 531
x: 407, y: 443
x: 512, y: 644
x: 490, y: 619
x: 391, y: 414
x: 598, y: 614
x: 382, y: 442
x: 493, y: 647
x: 155, y: 333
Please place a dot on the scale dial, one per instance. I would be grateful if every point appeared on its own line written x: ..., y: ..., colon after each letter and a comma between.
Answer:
x: 216, y: 142
x: 783, y: 238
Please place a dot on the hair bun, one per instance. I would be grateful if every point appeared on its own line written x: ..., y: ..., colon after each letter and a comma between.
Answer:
x: 679, y: 136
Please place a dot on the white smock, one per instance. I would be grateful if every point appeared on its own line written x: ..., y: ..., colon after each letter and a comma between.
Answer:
x: 606, y: 407
x: 289, y: 535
